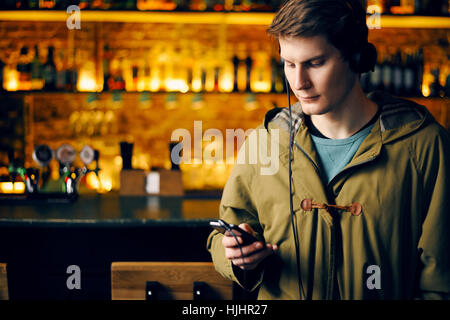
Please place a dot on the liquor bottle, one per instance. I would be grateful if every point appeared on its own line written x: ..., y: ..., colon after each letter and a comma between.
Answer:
x: 419, y: 63
x: 447, y: 86
x: 386, y: 74
x: 248, y: 64
x: 408, y: 76
x: 236, y: 62
x: 134, y: 75
x: 72, y: 71
x: 106, y: 67
x: 24, y: 69
x: 119, y: 80
x: 397, y: 74
x: 37, y: 79
x: 61, y: 71
x: 436, y: 89
x: 376, y: 82
x: 50, y: 71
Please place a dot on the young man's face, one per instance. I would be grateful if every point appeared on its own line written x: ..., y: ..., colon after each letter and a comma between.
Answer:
x: 319, y: 77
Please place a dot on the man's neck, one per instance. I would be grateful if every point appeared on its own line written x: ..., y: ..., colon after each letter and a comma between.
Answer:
x: 349, y: 116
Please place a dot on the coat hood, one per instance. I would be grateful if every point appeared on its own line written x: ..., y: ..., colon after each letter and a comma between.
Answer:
x: 399, y: 117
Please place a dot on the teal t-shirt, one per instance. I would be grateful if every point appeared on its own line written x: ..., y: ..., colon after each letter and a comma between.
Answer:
x: 335, y: 154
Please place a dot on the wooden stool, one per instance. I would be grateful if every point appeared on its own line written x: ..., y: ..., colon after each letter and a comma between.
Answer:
x: 3, y: 282
x: 168, y: 281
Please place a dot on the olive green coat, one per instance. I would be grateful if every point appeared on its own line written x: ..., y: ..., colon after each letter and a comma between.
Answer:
x: 400, y: 175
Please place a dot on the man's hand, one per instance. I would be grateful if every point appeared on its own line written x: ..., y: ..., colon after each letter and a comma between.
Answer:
x: 253, y: 253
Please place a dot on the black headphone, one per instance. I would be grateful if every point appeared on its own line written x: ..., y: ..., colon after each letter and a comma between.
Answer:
x: 364, y: 58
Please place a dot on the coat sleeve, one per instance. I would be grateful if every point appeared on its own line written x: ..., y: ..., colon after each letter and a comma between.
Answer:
x: 237, y: 206
x: 434, y: 243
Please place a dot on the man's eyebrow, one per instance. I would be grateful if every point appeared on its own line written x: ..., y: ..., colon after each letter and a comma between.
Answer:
x: 321, y: 56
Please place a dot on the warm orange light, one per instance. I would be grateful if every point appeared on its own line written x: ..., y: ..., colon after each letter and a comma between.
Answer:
x: 19, y: 187
x: 426, y: 90
x: 226, y: 83
x: 92, y: 181
x: 260, y: 86
x: 176, y: 85
x: 86, y: 82
x: 11, y: 79
x: 10, y: 187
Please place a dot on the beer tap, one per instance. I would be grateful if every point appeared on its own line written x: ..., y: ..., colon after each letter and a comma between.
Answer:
x: 66, y: 155
x: 37, y: 178
x: 88, y: 155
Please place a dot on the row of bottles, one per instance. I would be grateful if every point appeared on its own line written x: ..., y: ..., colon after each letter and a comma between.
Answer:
x: 159, y: 69
x: 157, y: 5
x: 402, y: 74
x: 188, y: 68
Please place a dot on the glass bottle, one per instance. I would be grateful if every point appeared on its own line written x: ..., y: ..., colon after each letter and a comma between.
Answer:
x: 50, y: 71
x: 37, y: 79
x: 24, y: 69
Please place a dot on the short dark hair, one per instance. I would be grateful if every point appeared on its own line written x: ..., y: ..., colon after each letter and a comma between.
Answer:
x: 342, y: 22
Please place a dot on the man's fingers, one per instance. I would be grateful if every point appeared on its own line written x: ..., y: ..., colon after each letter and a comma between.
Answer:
x: 230, y: 241
x: 246, y: 227
x: 235, y: 252
x: 251, y: 261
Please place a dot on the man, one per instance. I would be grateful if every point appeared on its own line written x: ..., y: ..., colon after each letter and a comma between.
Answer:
x: 370, y: 176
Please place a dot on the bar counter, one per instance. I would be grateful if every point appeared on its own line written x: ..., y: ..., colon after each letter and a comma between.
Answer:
x: 41, y: 239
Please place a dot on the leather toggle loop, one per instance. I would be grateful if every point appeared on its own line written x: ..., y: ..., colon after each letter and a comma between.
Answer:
x: 355, y: 208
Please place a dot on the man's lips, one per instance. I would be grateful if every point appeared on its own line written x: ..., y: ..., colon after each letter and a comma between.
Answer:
x: 309, y: 98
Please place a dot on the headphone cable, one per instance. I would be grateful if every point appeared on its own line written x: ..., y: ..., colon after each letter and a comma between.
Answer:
x: 291, y: 206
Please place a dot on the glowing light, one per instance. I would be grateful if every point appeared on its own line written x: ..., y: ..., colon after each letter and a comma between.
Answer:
x: 19, y: 187
x: 86, y: 82
x: 105, y: 182
x: 196, y: 85
x: 118, y: 161
x: 426, y: 90
x: 6, y: 187
x: 155, y: 84
x: 226, y: 83
x: 11, y: 82
x: 176, y: 85
x: 92, y: 181
x: 10, y: 187
x: 141, y: 85
x: 260, y: 86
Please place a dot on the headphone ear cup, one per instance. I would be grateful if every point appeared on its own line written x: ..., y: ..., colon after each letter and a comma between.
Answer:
x: 367, y: 59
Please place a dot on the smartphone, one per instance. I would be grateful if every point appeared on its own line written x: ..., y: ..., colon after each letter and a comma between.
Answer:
x: 222, y: 227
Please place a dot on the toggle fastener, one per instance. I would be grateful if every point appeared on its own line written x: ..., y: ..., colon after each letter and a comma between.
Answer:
x: 307, y: 204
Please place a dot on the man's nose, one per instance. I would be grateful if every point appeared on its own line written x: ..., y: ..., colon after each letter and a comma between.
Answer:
x: 302, y: 80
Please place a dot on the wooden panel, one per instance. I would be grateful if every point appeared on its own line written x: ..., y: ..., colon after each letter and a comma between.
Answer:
x: 3, y: 282
x: 128, y: 279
